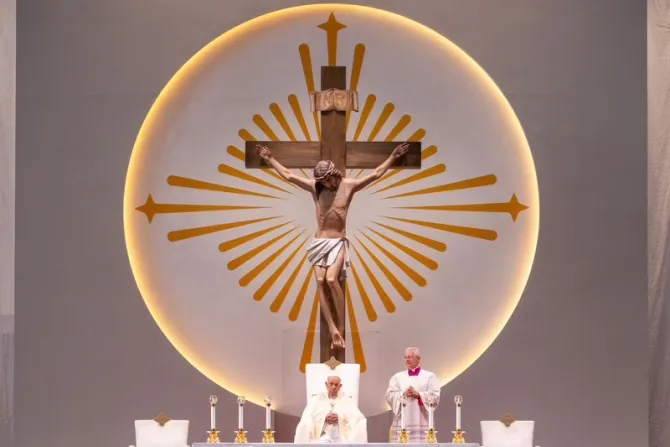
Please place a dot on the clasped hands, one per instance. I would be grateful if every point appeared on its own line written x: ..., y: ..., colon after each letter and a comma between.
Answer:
x: 411, y: 392
x: 331, y: 418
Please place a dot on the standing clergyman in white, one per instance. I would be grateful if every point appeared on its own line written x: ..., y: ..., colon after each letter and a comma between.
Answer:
x: 331, y: 417
x: 419, y: 387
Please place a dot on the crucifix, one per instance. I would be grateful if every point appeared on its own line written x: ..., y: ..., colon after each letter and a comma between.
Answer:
x: 335, y: 147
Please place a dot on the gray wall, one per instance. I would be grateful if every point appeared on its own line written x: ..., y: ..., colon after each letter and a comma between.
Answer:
x: 89, y: 358
x: 7, y: 157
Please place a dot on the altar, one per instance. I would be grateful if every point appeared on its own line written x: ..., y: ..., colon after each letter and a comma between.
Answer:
x: 371, y: 444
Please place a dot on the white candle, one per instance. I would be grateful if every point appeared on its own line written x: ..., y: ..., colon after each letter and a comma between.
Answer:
x: 431, y: 420
x: 240, y: 416
x: 268, y: 422
x: 402, y: 416
x: 212, y: 416
x: 458, y: 417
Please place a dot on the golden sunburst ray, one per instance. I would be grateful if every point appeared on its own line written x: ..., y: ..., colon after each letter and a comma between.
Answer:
x: 151, y: 208
x: 281, y: 119
x: 402, y: 123
x: 238, y: 154
x: 306, y: 61
x: 184, y: 182
x: 245, y: 257
x: 428, y: 242
x: 236, y: 173
x: 332, y: 27
x: 513, y: 207
x: 246, y: 135
x: 381, y: 293
x: 365, y: 113
x: 478, y: 233
x: 294, y: 313
x: 294, y: 103
x: 265, y: 263
x: 365, y: 299
x: 398, y: 128
x: 383, y: 117
x: 265, y: 127
x: 477, y: 182
x: 234, y: 243
x: 421, y: 175
x: 356, y: 68
x: 260, y: 293
x: 297, y: 112
x: 428, y: 152
x: 406, y: 269
x: 283, y: 293
x: 188, y: 233
x: 416, y: 136
x: 422, y: 259
x: 283, y: 123
x: 359, y: 355
x: 308, y: 345
x: 395, y: 282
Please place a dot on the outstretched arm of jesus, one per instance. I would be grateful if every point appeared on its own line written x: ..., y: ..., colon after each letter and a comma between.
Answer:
x: 380, y: 170
x: 305, y: 183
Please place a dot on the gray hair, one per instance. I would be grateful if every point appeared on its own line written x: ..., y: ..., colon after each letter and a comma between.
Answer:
x: 334, y: 376
x: 414, y: 351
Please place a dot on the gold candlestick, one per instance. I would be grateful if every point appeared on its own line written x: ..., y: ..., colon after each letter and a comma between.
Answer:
x: 431, y: 437
x: 458, y: 437
x: 240, y: 436
x: 213, y: 437
x: 268, y: 437
x: 403, y: 436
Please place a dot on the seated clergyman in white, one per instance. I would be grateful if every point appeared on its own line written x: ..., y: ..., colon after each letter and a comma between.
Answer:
x: 331, y: 417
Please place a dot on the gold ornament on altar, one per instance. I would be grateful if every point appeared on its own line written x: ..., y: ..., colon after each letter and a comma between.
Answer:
x: 213, y: 437
x: 240, y: 437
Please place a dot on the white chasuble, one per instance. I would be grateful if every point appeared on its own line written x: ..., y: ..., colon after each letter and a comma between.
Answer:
x: 416, y: 413
x: 351, y: 426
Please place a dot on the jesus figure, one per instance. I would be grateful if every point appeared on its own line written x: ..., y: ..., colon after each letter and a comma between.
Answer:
x: 328, y: 250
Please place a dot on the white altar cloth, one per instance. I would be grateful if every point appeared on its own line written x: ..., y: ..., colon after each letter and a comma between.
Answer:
x: 371, y: 444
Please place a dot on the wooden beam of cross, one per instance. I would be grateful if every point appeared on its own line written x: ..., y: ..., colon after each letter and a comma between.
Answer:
x: 345, y: 154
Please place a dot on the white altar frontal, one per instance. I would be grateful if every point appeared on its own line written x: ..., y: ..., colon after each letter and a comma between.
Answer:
x: 371, y: 444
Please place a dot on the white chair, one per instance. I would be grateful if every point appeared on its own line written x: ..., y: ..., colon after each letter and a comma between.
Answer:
x: 161, y: 432
x: 507, y: 432
x: 317, y: 373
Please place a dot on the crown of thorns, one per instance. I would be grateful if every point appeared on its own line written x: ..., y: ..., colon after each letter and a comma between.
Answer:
x: 325, y: 169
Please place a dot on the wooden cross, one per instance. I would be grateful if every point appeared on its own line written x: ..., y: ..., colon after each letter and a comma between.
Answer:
x: 345, y: 154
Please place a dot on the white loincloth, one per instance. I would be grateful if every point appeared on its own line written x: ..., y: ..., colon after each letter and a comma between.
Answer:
x: 323, y: 253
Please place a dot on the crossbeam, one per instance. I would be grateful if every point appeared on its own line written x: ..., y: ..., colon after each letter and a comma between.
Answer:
x: 357, y: 154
